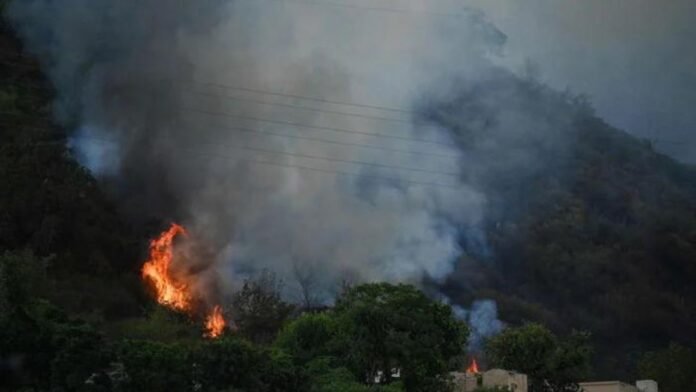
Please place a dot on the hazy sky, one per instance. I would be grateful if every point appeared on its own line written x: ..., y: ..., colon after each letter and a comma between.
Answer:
x: 635, y: 58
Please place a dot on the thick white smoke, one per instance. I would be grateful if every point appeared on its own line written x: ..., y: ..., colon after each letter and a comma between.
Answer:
x: 482, y: 318
x: 131, y: 77
x: 292, y: 134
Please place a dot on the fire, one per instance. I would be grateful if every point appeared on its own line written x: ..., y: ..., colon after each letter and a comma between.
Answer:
x: 214, y: 323
x: 174, y: 292
x: 473, y: 368
x: 168, y: 290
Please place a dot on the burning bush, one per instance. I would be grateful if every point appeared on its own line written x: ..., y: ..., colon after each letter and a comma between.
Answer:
x: 177, y: 289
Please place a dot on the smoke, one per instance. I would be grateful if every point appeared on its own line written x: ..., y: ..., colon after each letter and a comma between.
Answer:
x: 482, y: 318
x: 634, y: 57
x: 322, y: 141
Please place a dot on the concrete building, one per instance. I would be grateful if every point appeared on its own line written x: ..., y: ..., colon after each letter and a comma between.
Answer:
x: 468, y: 382
x: 515, y: 382
x: 647, y: 385
x: 465, y: 382
x: 618, y: 386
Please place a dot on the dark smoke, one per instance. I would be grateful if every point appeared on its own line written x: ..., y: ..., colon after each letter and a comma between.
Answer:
x: 131, y: 79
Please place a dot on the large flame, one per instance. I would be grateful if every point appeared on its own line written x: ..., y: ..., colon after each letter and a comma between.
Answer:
x: 214, y: 323
x: 473, y: 368
x: 168, y: 290
x: 171, y: 291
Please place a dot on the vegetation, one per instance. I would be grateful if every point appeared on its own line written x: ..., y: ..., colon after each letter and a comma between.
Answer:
x: 597, y: 231
x: 552, y: 364
x: 377, y: 331
x: 674, y: 367
x: 360, y: 343
x: 604, y: 242
x: 258, y: 309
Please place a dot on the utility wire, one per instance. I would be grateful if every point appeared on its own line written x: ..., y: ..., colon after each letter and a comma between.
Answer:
x: 307, y: 138
x: 295, y: 166
x: 299, y: 107
x: 335, y: 160
x: 337, y: 142
x: 297, y: 96
x: 265, y: 151
x: 349, y: 174
x: 307, y: 126
x: 372, y: 8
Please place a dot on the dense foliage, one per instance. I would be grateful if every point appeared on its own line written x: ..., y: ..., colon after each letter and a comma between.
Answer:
x: 552, y: 364
x: 259, y: 311
x: 674, y: 367
x: 377, y: 331
x: 593, y: 230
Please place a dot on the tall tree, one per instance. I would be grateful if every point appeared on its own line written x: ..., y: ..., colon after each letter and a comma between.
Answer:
x: 388, y: 327
x: 552, y: 364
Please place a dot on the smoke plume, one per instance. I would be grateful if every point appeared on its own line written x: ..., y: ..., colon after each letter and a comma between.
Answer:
x: 482, y: 318
x: 323, y: 141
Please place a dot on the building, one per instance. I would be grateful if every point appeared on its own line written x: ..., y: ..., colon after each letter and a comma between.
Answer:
x: 618, y: 386
x: 466, y: 382
x: 647, y: 385
x: 469, y: 381
x: 515, y: 382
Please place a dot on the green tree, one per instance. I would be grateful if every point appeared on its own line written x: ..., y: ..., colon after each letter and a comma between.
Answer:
x: 231, y: 362
x: 326, y: 376
x: 386, y: 327
x: 310, y: 336
x: 674, y: 368
x: 552, y: 364
x: 153, y: 366
x: 80, y: 353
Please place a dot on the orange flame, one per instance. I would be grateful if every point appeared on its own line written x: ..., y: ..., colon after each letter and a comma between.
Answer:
x: 473, y: 368
x: 168, y: 290
x: 214, y: 323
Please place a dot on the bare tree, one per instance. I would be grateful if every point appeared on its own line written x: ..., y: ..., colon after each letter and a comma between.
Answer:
x: 259, y: 309
x: 308, y: 284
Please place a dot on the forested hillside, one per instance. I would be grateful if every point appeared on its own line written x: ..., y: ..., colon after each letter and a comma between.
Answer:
x: 51, y: 207
x: 601, y: 237
x: 603, y: 241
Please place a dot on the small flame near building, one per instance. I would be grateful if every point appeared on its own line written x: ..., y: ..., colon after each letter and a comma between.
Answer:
x: 174, y: 291
x: 473, y: 367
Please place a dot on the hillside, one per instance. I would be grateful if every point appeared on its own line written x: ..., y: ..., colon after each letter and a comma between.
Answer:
x: 601, y: 239
x: 52, y: 207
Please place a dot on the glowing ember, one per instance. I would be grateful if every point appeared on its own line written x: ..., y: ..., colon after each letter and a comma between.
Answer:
x: 168, y: 290
x: 214, y: 323
x: 473, y: 368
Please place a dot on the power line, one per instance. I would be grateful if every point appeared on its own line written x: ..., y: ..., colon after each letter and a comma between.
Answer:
x: 373, y: 8
x: 301, y: 167
x: 309, y: 156
x: 303, y: 97
x: 337, y: 142
x: 299, y: 107
x: 349, y: 174
x: 285, y: 165
x: 306, y: 126
x: 336, y: 160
